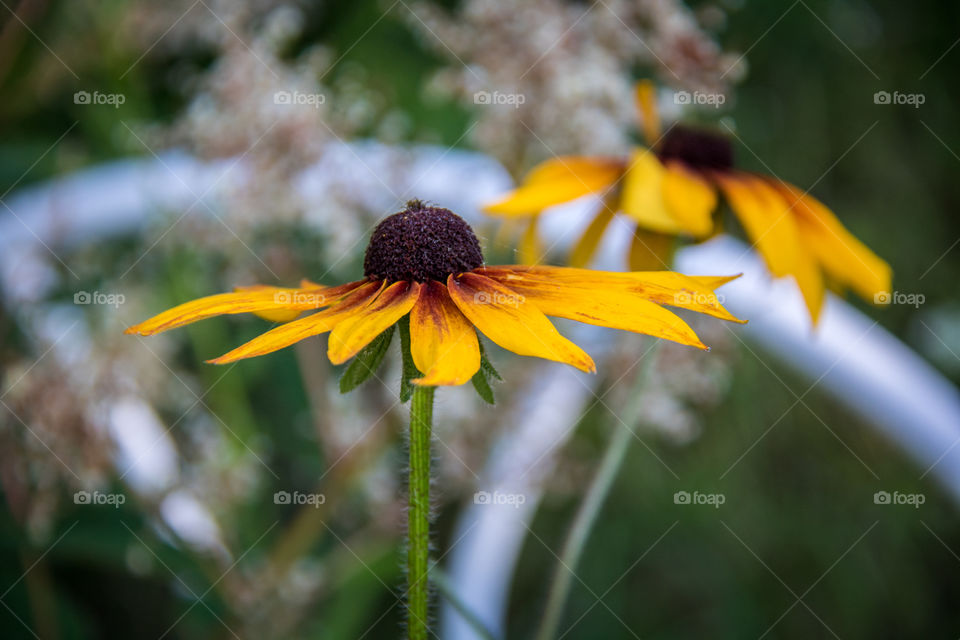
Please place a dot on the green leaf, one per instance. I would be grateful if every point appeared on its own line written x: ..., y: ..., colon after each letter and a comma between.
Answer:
x: 485, y: 365
x: 410, y: 370
x: 365, y: 363
x: 482, y: 387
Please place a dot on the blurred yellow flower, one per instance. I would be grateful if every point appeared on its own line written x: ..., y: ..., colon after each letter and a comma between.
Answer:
x: 672, y: 188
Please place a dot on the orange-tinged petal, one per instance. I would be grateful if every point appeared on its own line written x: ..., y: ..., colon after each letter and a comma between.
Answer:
x: 663, y: 287
x: 513, y: 323
x: 558, y: 180
x: 587, y: 244
x: 690, y: 199
x: 244, y: 301
x: 766, y: 219
x: 612, y: 308
x: 443, y: 343
x: 841, y: 254
x: 357, y: 331
x: 650, y: 251
x: 297, y: 330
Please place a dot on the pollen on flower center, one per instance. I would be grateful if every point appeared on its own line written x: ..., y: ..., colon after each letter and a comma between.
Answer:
x: 422, y: 243
x: 696, y: 148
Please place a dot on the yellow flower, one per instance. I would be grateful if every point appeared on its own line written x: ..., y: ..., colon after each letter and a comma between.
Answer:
x: 426, y: 262
x: 672, y: 188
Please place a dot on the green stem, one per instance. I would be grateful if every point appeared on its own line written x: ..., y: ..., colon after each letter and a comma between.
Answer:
x: 590, y: 507
x: 418, y: 525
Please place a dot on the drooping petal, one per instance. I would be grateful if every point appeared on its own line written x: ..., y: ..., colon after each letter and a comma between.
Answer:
x: 587, y: 244
x: 841, y: 254
x: 512, y: 322
x: 607, y: 307
x: 530, y: 248
x: 357, y: 331
x: 662, y: 287
x: 765, y: 217
x: 646, y: 97
x: 297, y: 330
x: 558, y: 180
x: 650, y: 251
x: 244, y: 301
x: 690, y: 199
x: 443, y: 343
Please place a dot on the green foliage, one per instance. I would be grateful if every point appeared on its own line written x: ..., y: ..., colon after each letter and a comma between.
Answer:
x: 366, y: 363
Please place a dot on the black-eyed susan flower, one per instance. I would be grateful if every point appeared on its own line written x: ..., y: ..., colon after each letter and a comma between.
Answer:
x: 425, y: 264
x: 672, y: 187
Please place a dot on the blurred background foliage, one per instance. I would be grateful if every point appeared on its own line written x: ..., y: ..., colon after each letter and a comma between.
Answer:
x: 799, y: 543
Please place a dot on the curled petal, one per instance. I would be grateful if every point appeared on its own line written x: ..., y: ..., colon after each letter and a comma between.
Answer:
x: 558, y: 180
x: 357, y: 331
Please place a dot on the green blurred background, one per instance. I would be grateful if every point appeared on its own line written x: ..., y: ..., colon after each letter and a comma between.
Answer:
x: 799, y: 550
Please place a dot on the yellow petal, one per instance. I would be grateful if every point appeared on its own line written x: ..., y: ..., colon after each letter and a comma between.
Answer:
x: 643, y: 194
x: 587, y: 244
x: 842, y: 255
x: 690, y: 199
x: 356, y: 332
x: 556, y: 181
x: 271, y: 315
x: 510, y: 321
x: 443, y: 343
x: 244, y: 301
x: 650, y: 251
x: 646, y: 96
x: 662, y: 287
x: 297, y: 330
x: 607, y: 307
x: 530, y: 249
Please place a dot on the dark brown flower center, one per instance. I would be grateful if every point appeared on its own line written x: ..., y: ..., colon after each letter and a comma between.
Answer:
x: 696, y: 148
x: 421, y: 243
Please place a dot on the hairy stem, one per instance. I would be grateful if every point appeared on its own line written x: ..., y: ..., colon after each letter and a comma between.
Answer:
x: 418, y: 525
